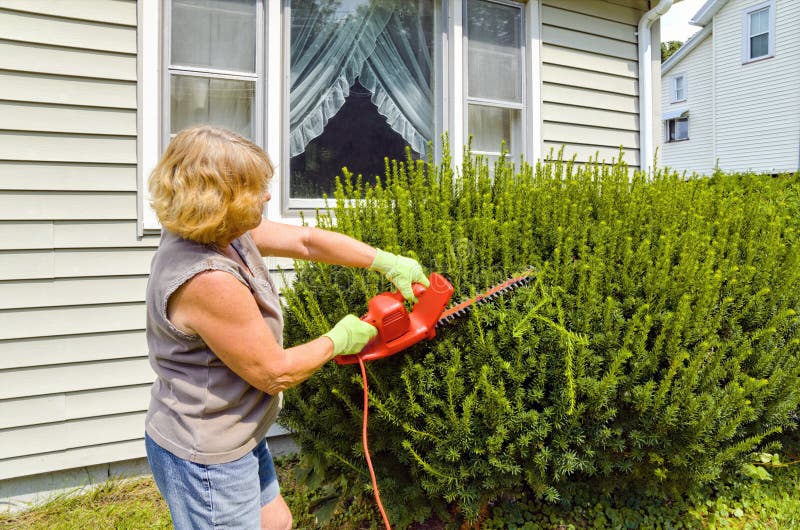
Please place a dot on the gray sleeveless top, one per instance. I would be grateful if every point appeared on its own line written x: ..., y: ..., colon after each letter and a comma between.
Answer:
x: 200, y: 410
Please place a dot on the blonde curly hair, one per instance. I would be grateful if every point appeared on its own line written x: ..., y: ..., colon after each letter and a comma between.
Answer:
x: 210, y: 185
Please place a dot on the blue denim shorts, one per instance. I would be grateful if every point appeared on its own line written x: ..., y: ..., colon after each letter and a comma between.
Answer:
x: 203, y: 496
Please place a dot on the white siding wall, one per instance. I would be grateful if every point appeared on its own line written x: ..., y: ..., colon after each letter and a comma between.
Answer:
x: 74, y: 376
x: 758, y: 104
x: 590, y: 90
x: 695, y: 154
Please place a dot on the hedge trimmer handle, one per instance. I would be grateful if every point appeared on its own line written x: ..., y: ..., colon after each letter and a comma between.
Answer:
x: 397, y: 328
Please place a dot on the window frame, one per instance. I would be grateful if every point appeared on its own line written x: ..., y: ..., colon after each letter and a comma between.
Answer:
x: 746, y: 36
x: 259, y: 76
x: 523, y: 106
x: 295, y: 206
x: 674, y: 88
x: 675, y: 120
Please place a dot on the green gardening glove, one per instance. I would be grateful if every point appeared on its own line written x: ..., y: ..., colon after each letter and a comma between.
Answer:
x: 401, y: 271
x: 350, y: 335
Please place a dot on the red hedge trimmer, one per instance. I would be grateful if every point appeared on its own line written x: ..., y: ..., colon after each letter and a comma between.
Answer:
x: 398, y: 329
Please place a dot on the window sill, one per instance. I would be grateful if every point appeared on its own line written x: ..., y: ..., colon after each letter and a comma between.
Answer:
x: 677, y: 141
x: 758, y: 59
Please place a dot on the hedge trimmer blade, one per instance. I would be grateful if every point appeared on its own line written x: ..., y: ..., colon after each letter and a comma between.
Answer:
x: 399, y: 329
x: 465, y: 307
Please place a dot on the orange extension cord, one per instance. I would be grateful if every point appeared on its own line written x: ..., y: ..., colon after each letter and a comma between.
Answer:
x: 366, y: 449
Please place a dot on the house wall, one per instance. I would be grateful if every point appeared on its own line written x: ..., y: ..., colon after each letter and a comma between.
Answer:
x: 74, y: 375
x: 758, y: 104
x: 589, y: 73
x: 694, y: 155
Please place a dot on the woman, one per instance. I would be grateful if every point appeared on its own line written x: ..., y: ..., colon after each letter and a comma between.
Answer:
x: 214, y: 329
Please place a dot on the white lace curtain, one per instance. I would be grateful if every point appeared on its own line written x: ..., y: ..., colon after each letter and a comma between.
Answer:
x: 383, y: 44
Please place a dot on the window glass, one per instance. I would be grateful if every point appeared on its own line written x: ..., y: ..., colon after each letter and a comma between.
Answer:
x: 207, y: 36
x: 495, y: 65
x: 680, y: 93
x: 759, y: 22
x: 681, y: 129
x: 361, y: 88
x: 759, y: 33
x: 495, y: 101
x: 223, y: 102
x: 218, y: 34
x: 490, y: 126
x: 759, y: 46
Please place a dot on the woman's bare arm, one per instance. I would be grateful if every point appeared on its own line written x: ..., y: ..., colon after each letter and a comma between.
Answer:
x: 222, y: 311
x: 305, y: 242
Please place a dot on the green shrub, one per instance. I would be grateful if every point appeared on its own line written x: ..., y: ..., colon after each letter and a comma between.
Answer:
x: 655, y: 349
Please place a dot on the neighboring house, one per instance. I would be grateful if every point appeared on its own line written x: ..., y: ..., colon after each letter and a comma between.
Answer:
x: 730, y: 96
x: 91, y: 90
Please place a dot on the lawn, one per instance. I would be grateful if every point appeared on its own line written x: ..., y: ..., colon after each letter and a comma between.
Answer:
x: 136, y: 504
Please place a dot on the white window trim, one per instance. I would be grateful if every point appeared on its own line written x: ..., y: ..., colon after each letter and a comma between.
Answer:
x: 457, y: 79
x: 746, y: 58
x: 149, y: 107
x: 275, y: 78
x: 674, y: 88
x: 533, y: 74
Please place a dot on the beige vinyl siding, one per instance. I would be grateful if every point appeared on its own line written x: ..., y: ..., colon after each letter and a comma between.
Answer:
x: 590, y: 78
x: 40, y: 175
x: 60, y: 147
x: 757, y: 104
x: 120, y: 12
x: 34, y: 117
x: 71, y: 405
x: 71, y: 348
x: 694, y: 155
x: 48, y: 88
x: 30, y: 205
x: 72, y: 291
x: 74, y: 374
x: 16, y: 235
x: 70, y: 263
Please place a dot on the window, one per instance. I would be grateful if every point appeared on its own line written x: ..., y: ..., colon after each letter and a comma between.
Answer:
x: 361, y: 88
x: 214, y: 51
x: 495, y: 77
x: 678, y: 88
x: 350, y: 82
x: 677, y: 129
x: 759, y: 32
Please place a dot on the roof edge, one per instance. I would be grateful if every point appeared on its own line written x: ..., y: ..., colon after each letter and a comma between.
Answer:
x: 707, y: 12
x: 684, y: 50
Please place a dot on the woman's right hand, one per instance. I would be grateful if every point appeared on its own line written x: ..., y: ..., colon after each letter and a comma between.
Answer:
x: 350, y: 335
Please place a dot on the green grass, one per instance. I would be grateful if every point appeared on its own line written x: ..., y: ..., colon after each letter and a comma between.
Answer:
x: 136, y: 504
x: 118, y: 504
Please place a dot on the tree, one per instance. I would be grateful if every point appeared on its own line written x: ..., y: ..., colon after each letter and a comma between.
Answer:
x: 668, y: 48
